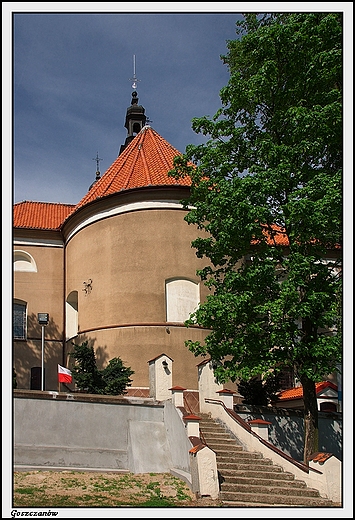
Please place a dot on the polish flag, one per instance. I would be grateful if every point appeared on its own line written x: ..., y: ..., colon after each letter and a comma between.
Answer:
x: 64, y: 375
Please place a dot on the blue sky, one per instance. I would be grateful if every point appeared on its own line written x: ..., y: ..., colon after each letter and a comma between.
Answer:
x: 72, y: 87
x: 71, y: 83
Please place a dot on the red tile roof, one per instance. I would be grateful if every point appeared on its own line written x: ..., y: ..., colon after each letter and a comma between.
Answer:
x: 276, y: 236
x: 40, y: 215
x: 145, y: 162
x: 191, y: 417
x: 320, y: 457
x: 258, y: 421
x: 297, y: 393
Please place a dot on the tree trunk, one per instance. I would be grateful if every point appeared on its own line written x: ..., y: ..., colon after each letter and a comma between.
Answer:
x: 310, y: 418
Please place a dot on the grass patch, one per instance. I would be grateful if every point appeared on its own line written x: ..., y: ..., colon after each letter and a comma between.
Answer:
x: 84, y: 489
x: 157, y: 502
x: 27, y: 491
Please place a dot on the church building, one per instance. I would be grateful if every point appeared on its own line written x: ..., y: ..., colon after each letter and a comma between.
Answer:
x: 116, y: 270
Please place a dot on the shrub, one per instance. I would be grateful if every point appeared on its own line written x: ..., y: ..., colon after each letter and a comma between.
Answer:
x: 112, y: 380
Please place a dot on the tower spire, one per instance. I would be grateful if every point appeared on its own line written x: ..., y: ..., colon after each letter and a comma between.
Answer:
x: 134, y: 79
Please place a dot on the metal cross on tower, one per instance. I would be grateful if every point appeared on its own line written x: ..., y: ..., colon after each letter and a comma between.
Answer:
x: 97, y: 159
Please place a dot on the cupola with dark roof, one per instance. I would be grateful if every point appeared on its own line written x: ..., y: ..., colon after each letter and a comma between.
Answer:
x: 135, y: 120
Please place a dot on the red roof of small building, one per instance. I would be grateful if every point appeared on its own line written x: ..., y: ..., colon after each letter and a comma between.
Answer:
x: 297, y: 392
x: 259, y: 421
x: 191, y: 417
x: 40, y: 215
x: 320, y: 457
x: 275, y: 235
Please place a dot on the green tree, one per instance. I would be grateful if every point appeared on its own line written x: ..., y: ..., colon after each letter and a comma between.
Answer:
x: 266, y: 195
x: 112, y: 380
x: 116, y: 377
x: 259, y: 392
x: 85, y: 373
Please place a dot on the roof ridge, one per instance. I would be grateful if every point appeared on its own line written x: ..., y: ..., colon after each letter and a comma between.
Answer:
x: 136, y: 149
x: 164, y: 158
x: 145, y: 164
x: 44, y: 202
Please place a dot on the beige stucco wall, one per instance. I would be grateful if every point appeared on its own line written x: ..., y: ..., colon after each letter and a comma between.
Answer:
x: 129, y: 257
x: 136, y: 346
x: 43, y: 292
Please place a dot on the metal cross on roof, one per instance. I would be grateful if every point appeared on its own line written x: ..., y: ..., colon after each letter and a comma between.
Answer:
x: 97, y: 159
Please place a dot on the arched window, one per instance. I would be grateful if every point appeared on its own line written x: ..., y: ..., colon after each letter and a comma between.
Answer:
x: 24, y: 262
x: 19, y: 319
x: 182, y: 298
x: 71, y: 311
x: 328, y: 407
x: 136, y: 128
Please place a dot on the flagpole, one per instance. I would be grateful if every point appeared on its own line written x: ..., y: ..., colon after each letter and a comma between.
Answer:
x: 42, y: 363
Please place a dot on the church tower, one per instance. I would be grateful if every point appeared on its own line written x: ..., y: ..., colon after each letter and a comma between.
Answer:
x: 116, y: 270
x: 135, y: 120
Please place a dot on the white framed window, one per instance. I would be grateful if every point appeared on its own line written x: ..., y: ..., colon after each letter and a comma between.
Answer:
x: 182, y: 298
x: 24, y: 262
x: 19, y: 320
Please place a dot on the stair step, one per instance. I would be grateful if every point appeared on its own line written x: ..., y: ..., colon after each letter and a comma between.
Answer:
x: 241, y: 458
x: 223, y: 445
x: 234, y: 478
x: 224, y: 448
x: 228, y: 448
x: 216, y: 435
x: 231, y: 503
x: 274, y: 499
x: 206, y: 426
x: 269, y: 489
x: 209, y: 425
x: 235, y: 467
x: 268, y: 473
x: 222, y: 440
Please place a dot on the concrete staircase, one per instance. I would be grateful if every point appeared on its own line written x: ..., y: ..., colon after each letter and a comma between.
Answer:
x: 247, y: 479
